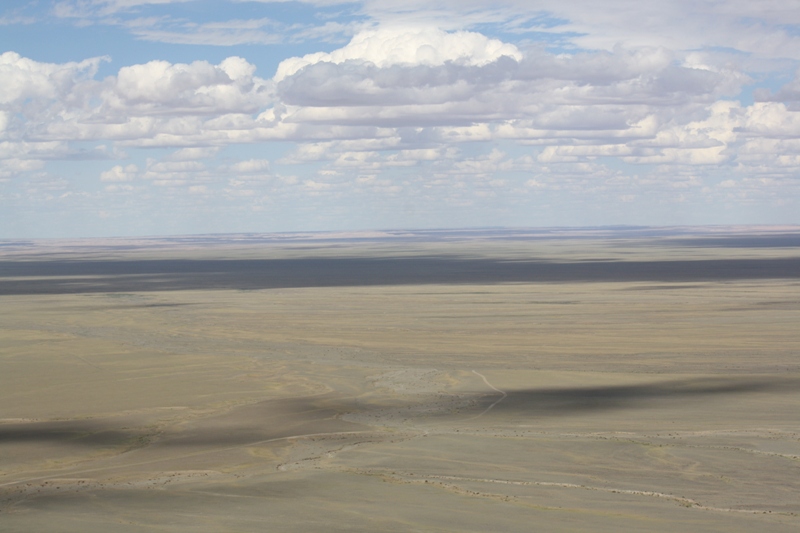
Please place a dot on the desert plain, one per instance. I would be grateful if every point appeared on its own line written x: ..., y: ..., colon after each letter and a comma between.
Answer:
x: 624, y: 379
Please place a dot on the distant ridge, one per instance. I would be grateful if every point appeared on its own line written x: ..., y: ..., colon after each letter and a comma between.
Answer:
x: 781, y: 235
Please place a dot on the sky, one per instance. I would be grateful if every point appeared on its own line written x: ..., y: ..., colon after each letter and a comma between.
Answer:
x: 164, y: 117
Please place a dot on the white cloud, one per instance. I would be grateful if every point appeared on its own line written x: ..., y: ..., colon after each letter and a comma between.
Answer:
x: 586, y: 91
x: 159, y: 87
x: 13, y: 20
x: 25, y: 79
x: 162, y: 167
x: 92, y: 8
x: 251, y: 166
x: 771, y: 119
x: 388, y: 46
x: 12, y: 167
x: 120, y: 173
x: 398, y: 101
x: 455, y: 103
x: 156, y: 102
x: 316, y: 185
x: 490, y: 164
x: 761, y: 28
x: 168, y: 173
x: 117, y: 188
x: 228, y: 33
x: 639, y: 104
x: 194, y: 153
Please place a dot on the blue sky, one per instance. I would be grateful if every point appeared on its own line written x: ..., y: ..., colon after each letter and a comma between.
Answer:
x: 137, y: 117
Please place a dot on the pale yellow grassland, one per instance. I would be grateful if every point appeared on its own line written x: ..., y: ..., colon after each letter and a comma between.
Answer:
x: 570, y: 406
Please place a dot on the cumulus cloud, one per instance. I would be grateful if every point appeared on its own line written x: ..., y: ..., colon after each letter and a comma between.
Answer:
x: 451, y: 103
x: 156, y: 102
x: 385, y: 47
x: 159, y: 87
x: 385, y: 91
x: 759, y: 28
x: 554, y: 91
x: 399, y: 98
x: 120, y: 173
x: 194, y: 153
x: 25, y: 79
x: 165, y: 173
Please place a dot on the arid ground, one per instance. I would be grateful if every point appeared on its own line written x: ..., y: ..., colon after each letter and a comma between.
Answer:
x: 595, y: 380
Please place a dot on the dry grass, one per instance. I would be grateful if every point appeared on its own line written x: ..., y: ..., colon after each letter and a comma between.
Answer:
x: 618, y: 405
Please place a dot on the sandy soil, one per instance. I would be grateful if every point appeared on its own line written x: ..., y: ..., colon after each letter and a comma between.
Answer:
x: 477, y: 405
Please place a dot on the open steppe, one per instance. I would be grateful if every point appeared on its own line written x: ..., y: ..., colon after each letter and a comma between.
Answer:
x: 596, y: 380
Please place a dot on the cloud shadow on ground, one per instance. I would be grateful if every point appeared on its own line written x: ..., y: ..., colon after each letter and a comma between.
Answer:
x: 579, y: 400
x: 276, y: 419
x: 74, y: 277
